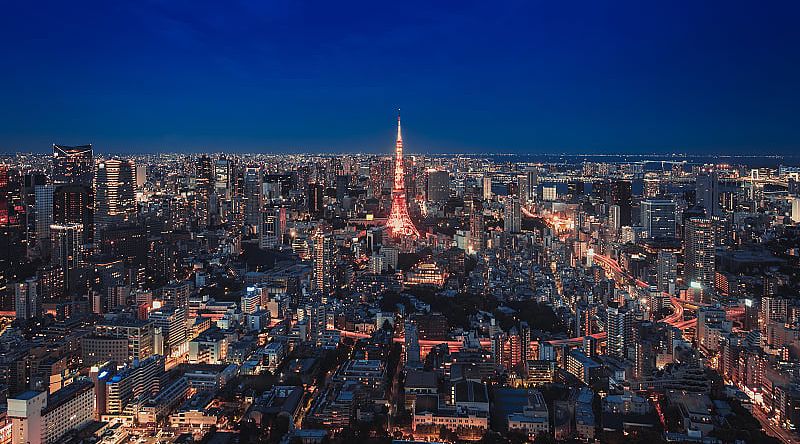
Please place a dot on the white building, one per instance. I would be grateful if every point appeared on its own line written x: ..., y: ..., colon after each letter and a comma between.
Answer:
x: 37, y: 418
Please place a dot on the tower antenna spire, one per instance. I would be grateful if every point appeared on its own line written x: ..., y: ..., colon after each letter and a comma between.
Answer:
x: 399, y: 132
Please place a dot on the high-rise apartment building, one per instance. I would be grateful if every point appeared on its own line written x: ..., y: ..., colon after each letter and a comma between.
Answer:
x: 323, y: 260
x: 619, y: 324
x: 699, y: 254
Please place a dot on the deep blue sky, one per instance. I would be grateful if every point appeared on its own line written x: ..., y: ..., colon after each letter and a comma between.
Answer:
x: 527, y: 76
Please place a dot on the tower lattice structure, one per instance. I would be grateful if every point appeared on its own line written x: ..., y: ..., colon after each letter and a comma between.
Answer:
x: 399, y: 222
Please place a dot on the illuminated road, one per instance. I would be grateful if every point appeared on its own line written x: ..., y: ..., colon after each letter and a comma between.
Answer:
x: 771, y: 428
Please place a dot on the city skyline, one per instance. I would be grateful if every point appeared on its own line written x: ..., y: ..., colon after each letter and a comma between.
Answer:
x: 288, y: 77
x: 587, y: 229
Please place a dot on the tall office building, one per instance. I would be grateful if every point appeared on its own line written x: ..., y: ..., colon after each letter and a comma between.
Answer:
x: 438, y: 189
x: 43, y: 195
x: 73, y: 204
x: 707, y: 193
x: 253, y: 197
x: 666, y: 272
x: 114, y: 193
x: 699, y: 254
x: 323, y: 259
x: 512, y: 215
x: 222, y: 177
x: 203, y: 188
x: 620, y: 194
x: 658, y: 218
x: 26, y: 299
x: 66, y: 251
x: 73, y: 165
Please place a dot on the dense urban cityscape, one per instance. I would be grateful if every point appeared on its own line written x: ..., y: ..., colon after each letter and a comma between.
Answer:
x: 374, y: 298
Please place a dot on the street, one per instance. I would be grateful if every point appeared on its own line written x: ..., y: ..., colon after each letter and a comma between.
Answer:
x: 772, y: 429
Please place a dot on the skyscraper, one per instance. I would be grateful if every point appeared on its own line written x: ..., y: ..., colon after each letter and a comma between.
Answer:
x: 707, y: 193
x: 523, y: 187
x: 315, y: 195
x: 438, y: 189
x: 614, y: 222
x: 619, y: 321
x: 203, y: 188
x: 322, y: 257
x: 699, y: 254
x: 486, y: 187
x: 666, y: 272
x: 114, y: 185
x: 43, y: 195
x: 67, y: 251
x: 74, y: 204
x: 658, y: 218
x: 222, y: 177
x: 26, y: 299
x: 253, y: 197
x: 512, y: 215
x: 73, y: 165
x: 476, y: 227
x: 620, y: 194
x: 533, y: 184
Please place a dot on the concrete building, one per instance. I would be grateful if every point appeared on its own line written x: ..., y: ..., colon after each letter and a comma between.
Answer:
x: 39, y: 418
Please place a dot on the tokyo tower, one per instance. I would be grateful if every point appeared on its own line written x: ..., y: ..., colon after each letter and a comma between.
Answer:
x: 399, y: 222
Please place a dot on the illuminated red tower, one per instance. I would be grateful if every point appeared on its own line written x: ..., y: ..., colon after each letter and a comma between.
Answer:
x: 399, y: 222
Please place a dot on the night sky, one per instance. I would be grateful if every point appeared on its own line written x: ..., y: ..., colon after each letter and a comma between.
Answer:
x: 486, y: 76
